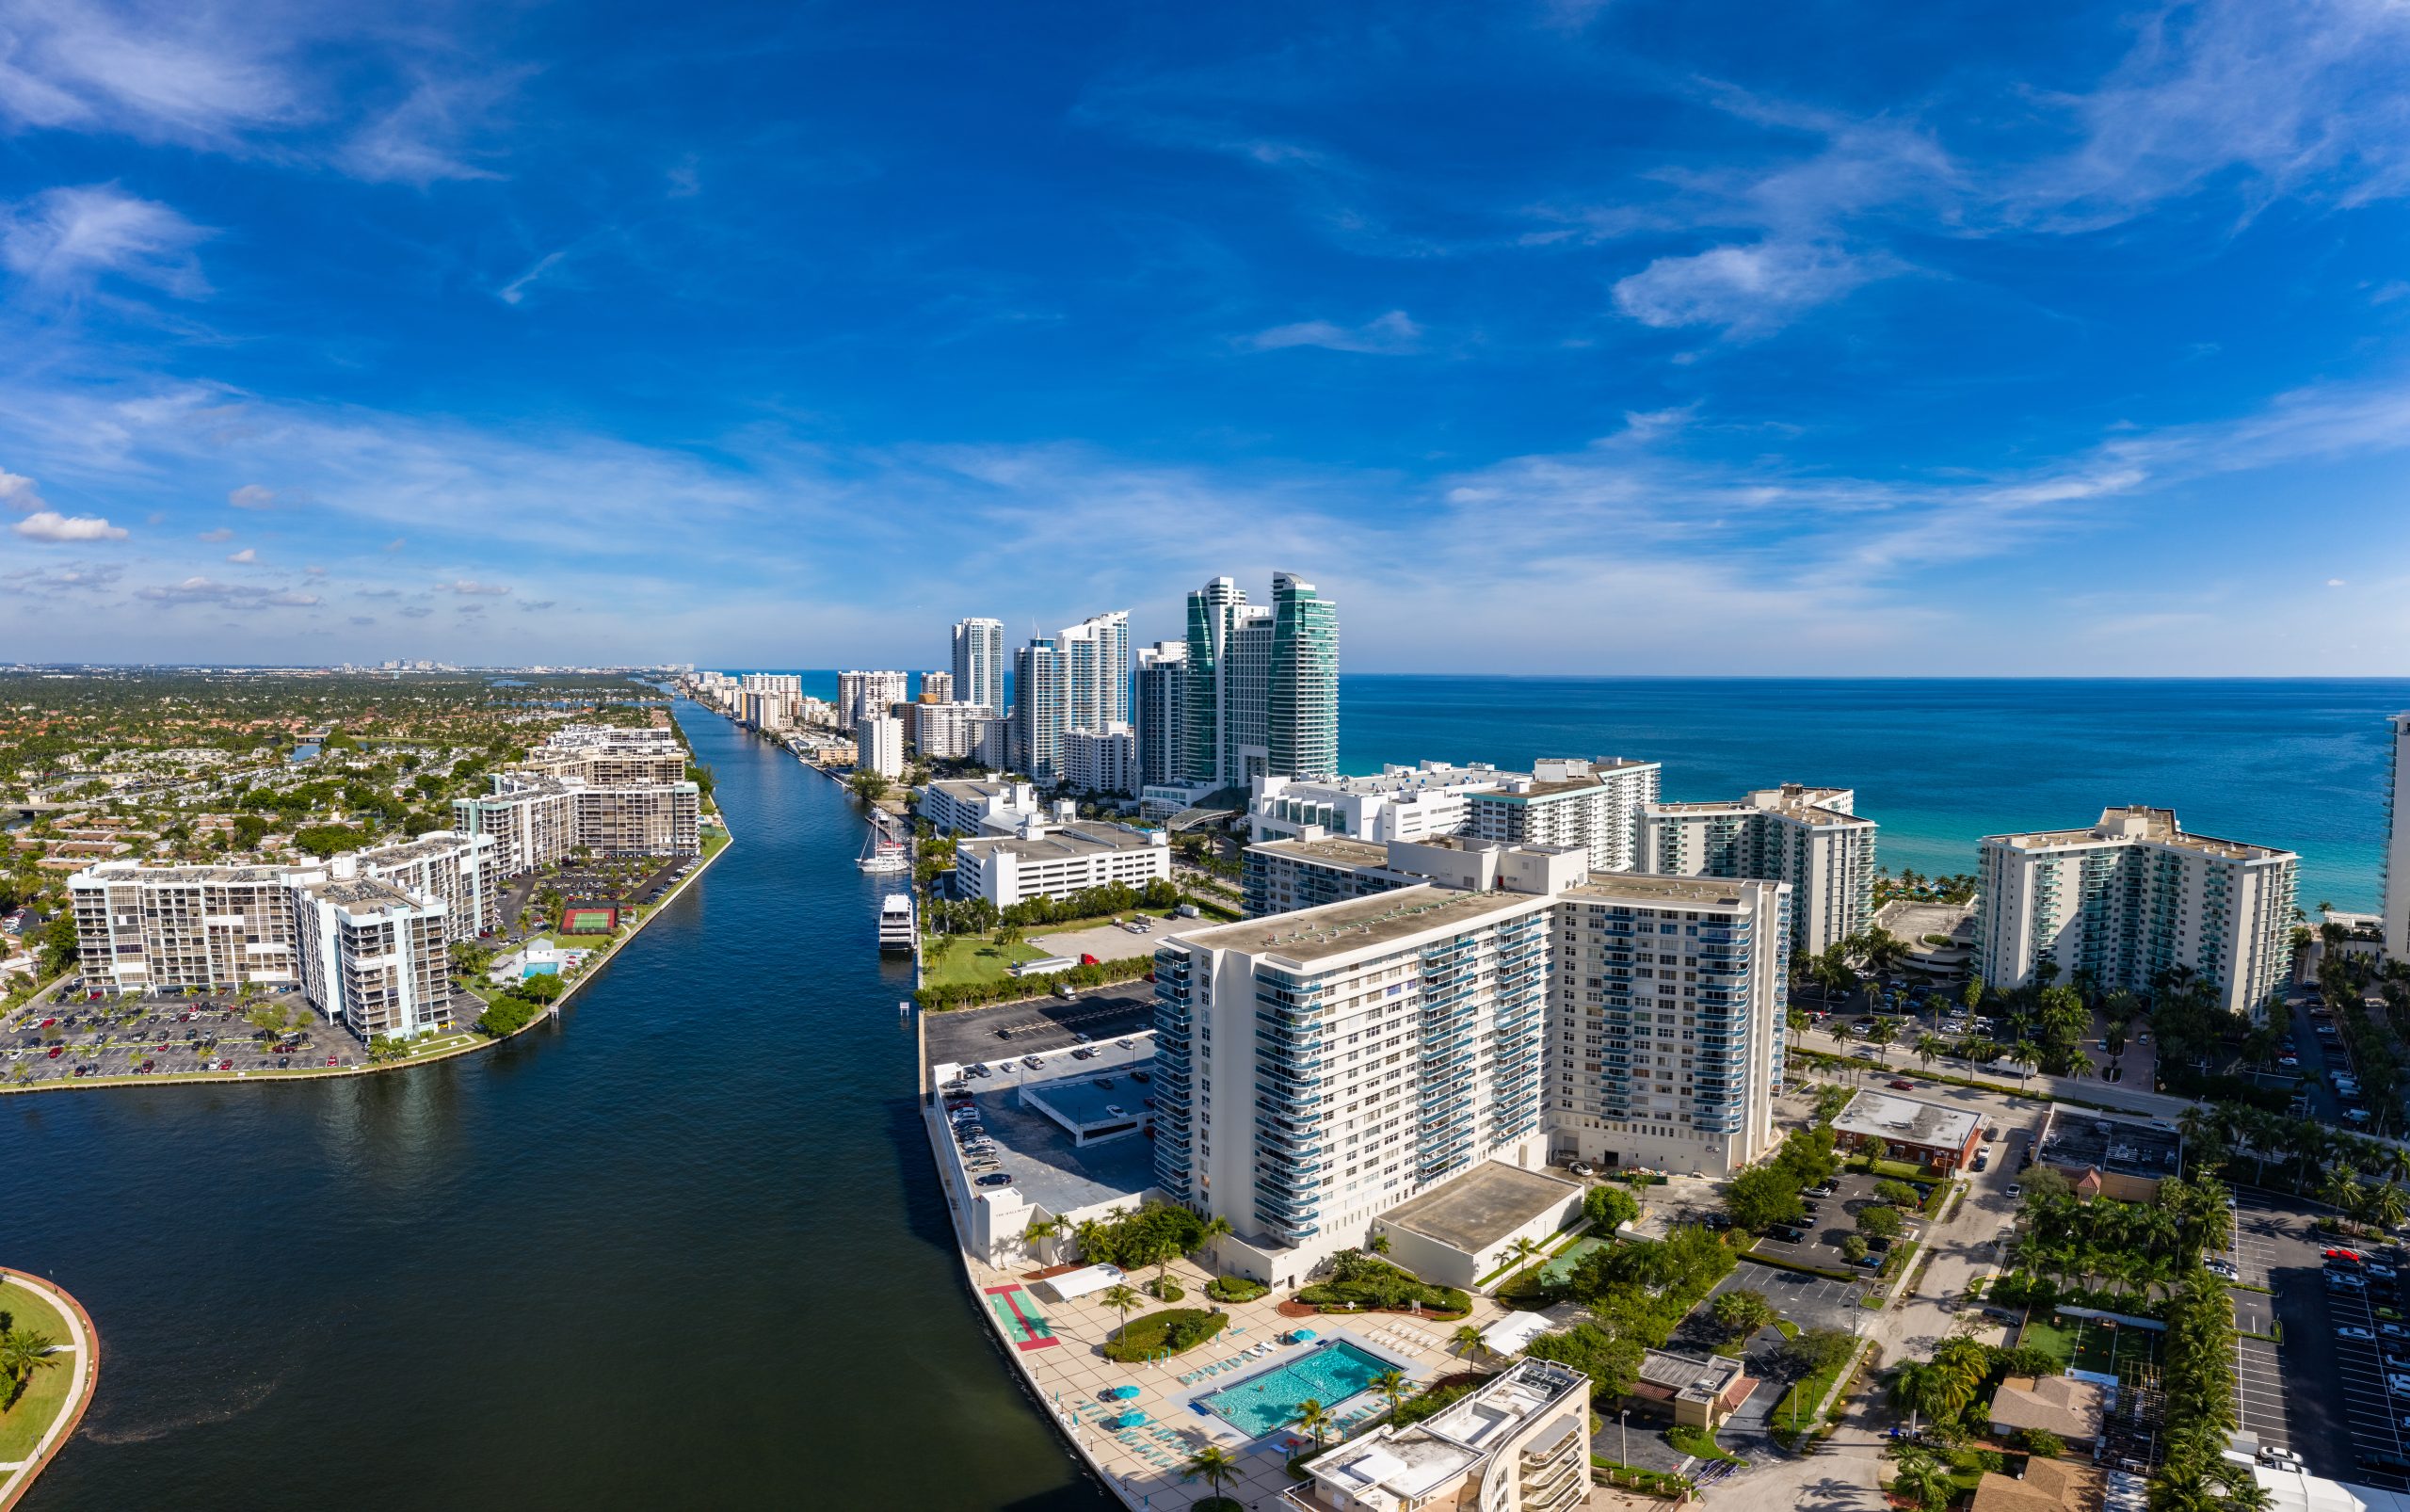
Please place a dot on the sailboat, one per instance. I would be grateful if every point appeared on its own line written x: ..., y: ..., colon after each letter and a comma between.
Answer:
x: 884, y: 853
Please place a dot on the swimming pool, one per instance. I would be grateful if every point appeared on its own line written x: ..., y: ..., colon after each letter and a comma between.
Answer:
x: 542, y: 968
x: 1329, y: 1373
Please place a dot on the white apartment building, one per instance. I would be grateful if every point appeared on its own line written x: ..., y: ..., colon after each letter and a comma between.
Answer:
x: 1596, y: 805
x: 1054, y: 860
x: 862, y: 694
x: 935, y: 687
x: 1400, y: 802
x: 604, y: 756
x: 1095, y: 672
x: 878, y: 745
x: 171, y: 928
x: 2397, y: 846
x: 979, y: 663
x: 538, y: 821
x: 457, y: 869
x: 2134, y: 900
x: 1159, y: 710
x: 1667, y: 1047
x: 1283, y: 876
x: 951, y: 731
x: 372, y: 957
x: 532, y: 821
x: 1100, y: 761
x: 1808, y: 837
x: 1520, y: 1443
x: 1314, y: 1070
x: 975, y: 806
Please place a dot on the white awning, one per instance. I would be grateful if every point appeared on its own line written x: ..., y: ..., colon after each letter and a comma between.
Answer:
x: 1081, y: 1282
x: 1514, y: 1333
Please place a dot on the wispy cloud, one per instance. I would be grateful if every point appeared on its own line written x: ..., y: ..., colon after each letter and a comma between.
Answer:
x: 252, y: 496
x: 64, y: 239
x: 161, y: 73
x: 246, y: 555
x: 1745, y: 290
x: 470, y: 587
x: 221, y: 533
x: 197, y: 589
x: 427, y: 138
x: 516, y: 290
x: 1394, y: 334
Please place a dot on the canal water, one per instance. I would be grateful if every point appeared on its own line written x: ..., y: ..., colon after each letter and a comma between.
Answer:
x: 685, y: 1249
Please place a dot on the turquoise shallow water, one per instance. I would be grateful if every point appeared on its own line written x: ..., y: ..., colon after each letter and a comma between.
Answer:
x: 2300, y: 763
x: 1329, y: 1373
x: 1940, y: 763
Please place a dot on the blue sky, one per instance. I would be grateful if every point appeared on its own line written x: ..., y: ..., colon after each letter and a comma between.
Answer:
x: 1626, y: 336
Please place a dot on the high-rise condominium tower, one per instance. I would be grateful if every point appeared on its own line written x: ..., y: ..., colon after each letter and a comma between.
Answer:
x: 1095, y: 672
x: 1037, y: 710
x: 2396, y: 848
x: 979, y: 663
x: 1263, y: 684
x: 1810, y: 837
x: 1159, y: 710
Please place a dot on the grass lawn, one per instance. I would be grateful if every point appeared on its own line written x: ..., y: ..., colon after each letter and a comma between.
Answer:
x: 440, y: 1043
x: 2047, y: 1335
x: 947, y: 961
x: 24, y: 1424
x: 1700, y: 1443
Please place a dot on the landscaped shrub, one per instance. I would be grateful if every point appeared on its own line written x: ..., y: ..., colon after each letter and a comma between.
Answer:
x: 1235, y: 1289
x: 505, y: 1016
x: 1362, y: 1282
x: 1168, y: 1289
x: 1168, y: 1332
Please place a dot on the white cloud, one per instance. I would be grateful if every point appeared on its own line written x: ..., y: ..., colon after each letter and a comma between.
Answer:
x: 1747, y: 290
x: 516, y: 290
x: 64, y: 239
x: 468, y: 587
x: 246, y: 556
x: 199, y: 589
x: 195, y: 74
x: 2333, y: 582
x: 49, y: 525
x: 221, y: 533
x: 252, y: 496
x: 19, y: 493
x: 424, y: 139
x: 1389, y: 335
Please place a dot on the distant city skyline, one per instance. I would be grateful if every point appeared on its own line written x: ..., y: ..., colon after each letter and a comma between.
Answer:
x: 1542, y: 336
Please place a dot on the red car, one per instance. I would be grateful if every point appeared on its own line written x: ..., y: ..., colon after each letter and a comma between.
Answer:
x: 56, y: 1051
x: 1903, y: 1087
x: 330, y: 1060
x: 2349, y: 1257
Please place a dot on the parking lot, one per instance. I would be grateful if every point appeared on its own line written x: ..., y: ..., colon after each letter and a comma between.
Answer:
x: 1041, y: 1025
x: 1809, y: 1301
x: 1832, y: 1221
x: 164, y: 1036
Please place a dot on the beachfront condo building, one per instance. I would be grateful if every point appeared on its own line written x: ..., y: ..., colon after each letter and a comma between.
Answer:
x: 2397, y: 846
x: 1316, y: 1068
x: 1037, y: 711
x: 1095, y: 672
x: 1399, y: 803
x: 2135, y: 904
x: 979, y: 663
x: 1808, y: 837
x: 1262, y: 685
x: 860, y: 695
x: 1159, y: 710
x: 1596, y: 805
x: 951, y: 731
x: 1049, y: 858
x: 935, y: 687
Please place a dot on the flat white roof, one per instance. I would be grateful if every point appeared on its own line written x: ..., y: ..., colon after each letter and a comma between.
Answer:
x: 1081, y: 1282
x: 1887, y: 1117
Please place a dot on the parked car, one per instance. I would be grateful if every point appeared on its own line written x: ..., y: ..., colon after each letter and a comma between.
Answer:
x: 2016, y: 1189
x: 2356, y: 1333
x: 1582, y: 1168
x: 1899, y: 1085
x: 996, y: 1179
x: 1033, y: 1062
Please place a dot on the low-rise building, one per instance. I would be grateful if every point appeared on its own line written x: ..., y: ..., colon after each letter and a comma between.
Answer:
x: 972, y: 806
x: 2049, y: 1486
x: 1519, y: 1443
x: 2122, y: 1159
x: 1926, y: 1133
x: 1054, y: 860
x: 1399, y: 803
x: 1466, y: 1227
x: 2060, y: 1404
x: 1694, y: 1390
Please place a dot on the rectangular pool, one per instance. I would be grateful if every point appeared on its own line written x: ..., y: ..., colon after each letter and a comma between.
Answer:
x: 1329, y: 1372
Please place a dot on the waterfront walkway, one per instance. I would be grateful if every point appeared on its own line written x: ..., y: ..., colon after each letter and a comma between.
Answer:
x: 80, y: 1356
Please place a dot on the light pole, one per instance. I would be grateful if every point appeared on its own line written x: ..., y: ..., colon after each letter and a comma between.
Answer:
x: 1623, y: 1418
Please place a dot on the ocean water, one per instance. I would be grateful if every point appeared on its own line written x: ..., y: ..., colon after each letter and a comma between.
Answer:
x: 1939, y: 762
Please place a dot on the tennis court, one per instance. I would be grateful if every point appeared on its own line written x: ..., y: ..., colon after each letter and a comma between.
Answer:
x: 586, y: 921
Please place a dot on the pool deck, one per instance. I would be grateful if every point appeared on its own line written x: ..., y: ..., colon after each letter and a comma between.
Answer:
x: 1068, y: 1375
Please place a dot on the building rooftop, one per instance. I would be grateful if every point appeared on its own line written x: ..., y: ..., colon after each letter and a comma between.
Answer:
x: 1651, y: 889
x: 2079, y: 1141
x: 364, y: 895
x: 2047, y: 1486
x: 1820, y: 806
x: 1058, y: 843
x: 434, y: 842
x: 1339, y: 928
x: 2134, y: 823
x: 1389, y: 1468
x: 1669, y: 1377
x: 1894, y: 1120
x: 2055, y: 1404
x: 134, y: 871
x: 1471, y: 1211
x: 1338, y: 849
x: 1052, y: 1171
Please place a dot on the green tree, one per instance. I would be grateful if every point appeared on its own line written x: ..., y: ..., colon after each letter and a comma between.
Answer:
x: 1313, y: 1417
x: 1609, y: 1208
x: 1392, y: 1385
x: 1919, y: 1477
x: 1742, y: 1313
x: 1880, y: 1220
x: 1921, y: 1390
x: 1213, y: 1465
x: 1121, y: 1299
x: 2044, y: 1443
x: 1761, y: 1197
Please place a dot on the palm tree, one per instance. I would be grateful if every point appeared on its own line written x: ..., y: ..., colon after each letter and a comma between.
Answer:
x: 1919, y: 1476
x: 1213, y: 1465
x: 1313, y: 1417
x: 1121, y: 1299
x: 1920, y: 1389
x: 1392, y: 1385
x: 1040, y: 1229
x: 1881, y: 1036
x: 2026, y: 1055
x: 1523, y: 1251
x: 1929, y: 1046
x: 2389, y: 1205
x: 22, y: 1352
x: 1465, y: 1339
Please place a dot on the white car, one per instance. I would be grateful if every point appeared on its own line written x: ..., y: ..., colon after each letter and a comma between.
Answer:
x: 2356, y: 1333
x: 2396, y: 1383
x: 2280, y: 1456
